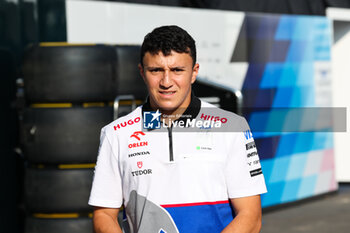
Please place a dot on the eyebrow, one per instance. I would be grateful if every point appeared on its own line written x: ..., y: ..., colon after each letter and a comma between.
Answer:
x: 158, y: 67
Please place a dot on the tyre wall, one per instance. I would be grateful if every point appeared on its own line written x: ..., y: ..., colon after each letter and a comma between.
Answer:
x: 69, y: 92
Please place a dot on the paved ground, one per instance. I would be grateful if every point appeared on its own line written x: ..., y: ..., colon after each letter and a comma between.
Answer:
x: 326, y: 214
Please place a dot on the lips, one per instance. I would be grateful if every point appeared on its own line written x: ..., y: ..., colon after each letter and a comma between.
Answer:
x: 167, y: 93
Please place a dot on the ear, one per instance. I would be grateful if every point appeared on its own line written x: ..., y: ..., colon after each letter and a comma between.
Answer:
x: 194, y: 73
x: 141, y: 72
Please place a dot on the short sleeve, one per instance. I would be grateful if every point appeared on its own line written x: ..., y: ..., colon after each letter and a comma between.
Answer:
x: 243, y: 170
x: 106, y: 186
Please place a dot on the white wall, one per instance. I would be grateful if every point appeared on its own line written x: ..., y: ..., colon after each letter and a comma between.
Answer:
x: 341, y: 87
x: 215, y: 32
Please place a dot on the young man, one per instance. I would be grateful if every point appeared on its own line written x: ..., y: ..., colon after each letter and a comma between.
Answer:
x: 173, y: 180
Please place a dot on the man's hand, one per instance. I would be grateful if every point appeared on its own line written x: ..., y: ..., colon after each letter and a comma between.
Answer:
x: 106, y: 220
x: 248, y: 215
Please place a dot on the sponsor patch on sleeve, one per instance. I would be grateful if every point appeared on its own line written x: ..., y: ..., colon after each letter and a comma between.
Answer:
x: 255, y: 172
x: 250, y: 145
x: 248, y: 134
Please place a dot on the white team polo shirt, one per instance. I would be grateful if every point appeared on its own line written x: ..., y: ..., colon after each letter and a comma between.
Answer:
x: 177, y: 180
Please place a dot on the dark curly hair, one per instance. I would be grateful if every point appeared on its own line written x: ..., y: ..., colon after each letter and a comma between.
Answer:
x: 166, y: 39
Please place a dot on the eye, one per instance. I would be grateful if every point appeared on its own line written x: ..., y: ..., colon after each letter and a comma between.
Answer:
x: 177, y: 70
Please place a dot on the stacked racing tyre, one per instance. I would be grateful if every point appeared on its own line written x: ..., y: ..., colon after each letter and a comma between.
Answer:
x: 70, y: 93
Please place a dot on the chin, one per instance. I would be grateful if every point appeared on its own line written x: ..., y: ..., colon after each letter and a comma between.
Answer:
x: 167, y: 108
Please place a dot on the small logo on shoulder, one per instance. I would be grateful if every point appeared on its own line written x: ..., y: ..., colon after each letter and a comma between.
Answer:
x: 151, y: 120
x: 248, y: 134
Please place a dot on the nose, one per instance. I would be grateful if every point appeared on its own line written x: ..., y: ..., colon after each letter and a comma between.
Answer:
x: 166, y: 81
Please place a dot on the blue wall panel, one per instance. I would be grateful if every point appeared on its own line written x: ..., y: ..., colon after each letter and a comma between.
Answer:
x: 283, y: 51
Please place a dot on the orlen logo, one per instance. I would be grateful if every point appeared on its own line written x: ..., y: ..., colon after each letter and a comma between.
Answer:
x: 213, y: 118
x: 126, y: 123
x: 137, y: 135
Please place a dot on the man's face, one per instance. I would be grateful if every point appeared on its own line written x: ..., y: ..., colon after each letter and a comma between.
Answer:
x: 169, y: 79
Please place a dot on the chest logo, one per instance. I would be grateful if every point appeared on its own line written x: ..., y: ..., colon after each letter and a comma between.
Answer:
x: 139, y: 164
x: 126, y: 123
x: 136, y: 135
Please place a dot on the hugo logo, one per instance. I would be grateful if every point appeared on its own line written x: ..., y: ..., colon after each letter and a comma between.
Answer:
x: 213, y: 118
x: 136, y: 134
x: 126, y: 123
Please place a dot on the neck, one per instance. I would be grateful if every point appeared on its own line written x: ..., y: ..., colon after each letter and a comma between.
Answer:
x: 170, y: 115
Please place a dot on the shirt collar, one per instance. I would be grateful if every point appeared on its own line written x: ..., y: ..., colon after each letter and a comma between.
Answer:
x: 190, y: 113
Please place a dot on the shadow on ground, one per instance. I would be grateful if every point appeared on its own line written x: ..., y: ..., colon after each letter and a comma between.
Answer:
x: 327, y: 214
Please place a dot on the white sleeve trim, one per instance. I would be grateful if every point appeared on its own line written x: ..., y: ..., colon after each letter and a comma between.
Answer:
x: 247, y: 192
x: 104, y: 203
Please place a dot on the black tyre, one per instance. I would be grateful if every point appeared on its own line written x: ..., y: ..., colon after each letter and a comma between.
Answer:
x: 64, y: 225
x: 130, y: 81
x: 58, y: 190
x: 63, y: 135
x: 69, y: 73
